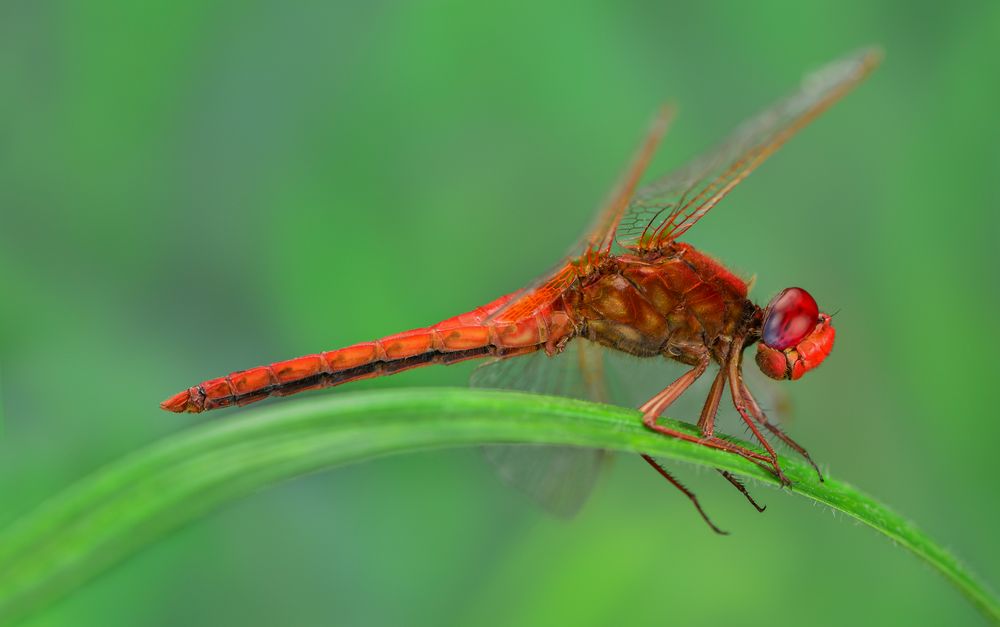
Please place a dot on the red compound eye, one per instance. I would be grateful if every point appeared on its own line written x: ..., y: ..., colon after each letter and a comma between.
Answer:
x: 789, y: 318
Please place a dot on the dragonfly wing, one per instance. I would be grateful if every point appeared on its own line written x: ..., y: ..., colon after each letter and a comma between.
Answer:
x: 559, y: 478
x: 537, y: 295
x: 666, y: 208
x: 662, y: 211
x: 598, y: 238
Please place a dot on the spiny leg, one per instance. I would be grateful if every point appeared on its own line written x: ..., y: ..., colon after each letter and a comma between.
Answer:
x: 658, y: 404
x: 707, y: 425
x: 761, y: 417
x: 677, y: 484
x: 742, y: 488
x: 732, y: 367
x: 655, y: 406
x: 706, y: 422
x: 661, y: 401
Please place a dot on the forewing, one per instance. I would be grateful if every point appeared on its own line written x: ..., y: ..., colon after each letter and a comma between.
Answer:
x: 601, y: 235
x: 598, y: 238
x: 666, y: 208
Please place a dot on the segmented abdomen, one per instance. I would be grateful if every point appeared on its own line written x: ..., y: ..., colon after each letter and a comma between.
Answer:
x: 467, y: 336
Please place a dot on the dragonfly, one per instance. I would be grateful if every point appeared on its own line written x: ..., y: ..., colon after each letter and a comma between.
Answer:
x: 629, y: 286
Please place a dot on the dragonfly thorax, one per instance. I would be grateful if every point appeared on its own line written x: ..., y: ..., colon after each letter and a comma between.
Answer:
x: 678, y: 303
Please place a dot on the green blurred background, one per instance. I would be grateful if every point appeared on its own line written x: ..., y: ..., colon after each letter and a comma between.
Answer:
x: 189, y: 188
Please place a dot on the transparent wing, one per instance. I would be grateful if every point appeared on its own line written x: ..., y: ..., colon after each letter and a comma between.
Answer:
x: 601, y: 235
x: 663, y: 210
x: 598, y: 238
x: 561, y: 478
x: 537, y: 295
x: 666, y: 208
x: 577, y: 372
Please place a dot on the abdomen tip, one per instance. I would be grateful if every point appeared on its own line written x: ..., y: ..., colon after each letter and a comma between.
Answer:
x: 180, y: 403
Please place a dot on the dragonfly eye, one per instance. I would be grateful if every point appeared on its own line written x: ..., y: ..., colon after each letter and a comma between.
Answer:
x: 789, y: 318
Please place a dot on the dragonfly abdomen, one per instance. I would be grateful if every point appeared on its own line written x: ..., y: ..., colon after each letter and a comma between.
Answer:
x: 470, y: 335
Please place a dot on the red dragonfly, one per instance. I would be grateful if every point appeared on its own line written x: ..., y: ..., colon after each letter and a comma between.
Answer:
x: 629, y: 285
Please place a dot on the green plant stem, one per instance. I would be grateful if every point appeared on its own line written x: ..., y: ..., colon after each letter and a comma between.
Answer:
x: 110, y: 515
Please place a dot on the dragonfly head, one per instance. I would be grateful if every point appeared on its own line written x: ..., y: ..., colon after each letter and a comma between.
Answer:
x: 795, y: 336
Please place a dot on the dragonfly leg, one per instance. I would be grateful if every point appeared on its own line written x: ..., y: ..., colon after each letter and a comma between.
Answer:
x: 732, y: 370
x: 655, y: 406
x: 658, y: 404
x: 759, y: 415
x: 688, y: 493
x: 731, y: 478
x: 706, y: 423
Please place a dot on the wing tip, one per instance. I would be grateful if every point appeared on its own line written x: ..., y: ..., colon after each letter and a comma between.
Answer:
x: 843, y: 73
x: 870, y: 57
x: 860, y: 63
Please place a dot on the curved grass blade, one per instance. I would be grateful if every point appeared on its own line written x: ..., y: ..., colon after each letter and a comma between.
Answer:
x: 115, y: 512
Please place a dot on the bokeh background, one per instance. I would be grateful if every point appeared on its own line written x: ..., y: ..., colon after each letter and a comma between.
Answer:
x: 189, y: 188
